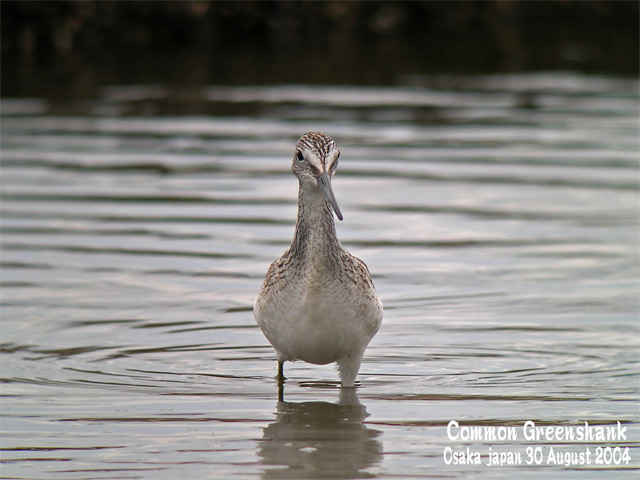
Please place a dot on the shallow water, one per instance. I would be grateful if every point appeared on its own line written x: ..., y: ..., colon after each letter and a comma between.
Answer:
x: 497, y: 214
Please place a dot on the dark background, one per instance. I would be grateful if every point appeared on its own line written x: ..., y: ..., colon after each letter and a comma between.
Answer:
x: 72, y: 49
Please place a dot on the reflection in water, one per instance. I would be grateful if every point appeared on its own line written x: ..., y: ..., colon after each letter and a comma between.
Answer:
x: 321, y: 439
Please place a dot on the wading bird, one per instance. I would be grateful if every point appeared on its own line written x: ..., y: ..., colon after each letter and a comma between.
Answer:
x: 317, y: 302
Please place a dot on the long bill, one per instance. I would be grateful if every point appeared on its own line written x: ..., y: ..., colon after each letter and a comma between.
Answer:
x: 324, y: 182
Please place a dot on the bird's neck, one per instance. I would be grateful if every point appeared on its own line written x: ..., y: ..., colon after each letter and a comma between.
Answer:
x: 315, y: 230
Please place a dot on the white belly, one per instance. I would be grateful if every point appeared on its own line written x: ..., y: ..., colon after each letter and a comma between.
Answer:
x: 318, y: 327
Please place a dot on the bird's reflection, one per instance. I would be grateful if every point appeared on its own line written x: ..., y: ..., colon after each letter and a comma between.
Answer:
x: 320, y: 439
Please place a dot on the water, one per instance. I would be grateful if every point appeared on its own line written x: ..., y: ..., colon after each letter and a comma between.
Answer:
x: 497, y: 214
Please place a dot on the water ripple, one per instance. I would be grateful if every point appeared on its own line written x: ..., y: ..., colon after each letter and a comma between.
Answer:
x: 498, y: 215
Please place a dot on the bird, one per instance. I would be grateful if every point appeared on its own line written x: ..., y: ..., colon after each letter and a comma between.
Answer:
x: 318, y: 303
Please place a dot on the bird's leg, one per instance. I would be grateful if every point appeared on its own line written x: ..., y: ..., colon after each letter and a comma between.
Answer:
x: 348, y: 367
x: 281, y: 377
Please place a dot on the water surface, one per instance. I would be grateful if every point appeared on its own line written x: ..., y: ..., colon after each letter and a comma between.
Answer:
x: 498, y: 216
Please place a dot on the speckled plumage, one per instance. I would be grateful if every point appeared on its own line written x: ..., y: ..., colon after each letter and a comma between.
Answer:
x: 317, y: 302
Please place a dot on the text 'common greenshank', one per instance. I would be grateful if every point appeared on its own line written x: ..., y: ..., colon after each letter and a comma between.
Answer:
x: 317, y: 302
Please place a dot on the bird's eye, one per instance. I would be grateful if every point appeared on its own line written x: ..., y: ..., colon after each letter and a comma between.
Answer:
x: 299, y: 156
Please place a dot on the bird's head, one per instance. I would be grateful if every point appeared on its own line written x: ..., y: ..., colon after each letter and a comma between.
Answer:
x: 315, y: 161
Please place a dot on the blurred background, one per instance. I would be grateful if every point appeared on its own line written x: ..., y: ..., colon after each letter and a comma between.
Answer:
x: 71, y: 49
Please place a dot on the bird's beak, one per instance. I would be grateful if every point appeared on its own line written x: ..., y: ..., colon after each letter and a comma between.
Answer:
x: 324, y: 182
